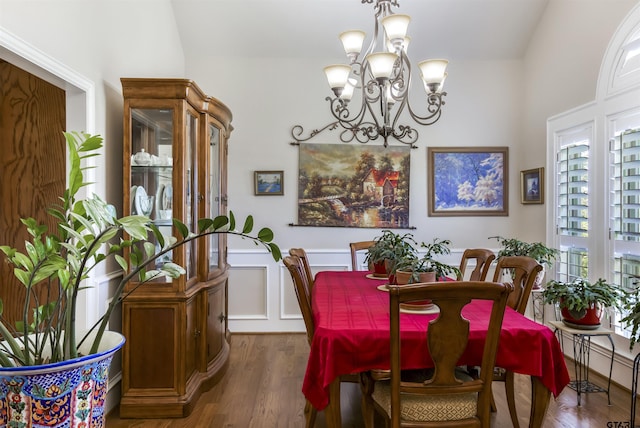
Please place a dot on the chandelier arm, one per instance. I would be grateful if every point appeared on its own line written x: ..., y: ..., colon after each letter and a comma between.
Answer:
x: 405, y: 134
x: 297, y: 131
x: 434, y: 108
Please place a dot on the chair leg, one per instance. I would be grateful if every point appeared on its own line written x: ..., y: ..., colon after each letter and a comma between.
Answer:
x: 493, y: 404
x: 310, y: 414
x: 509, y: 386
x: 368, y: 411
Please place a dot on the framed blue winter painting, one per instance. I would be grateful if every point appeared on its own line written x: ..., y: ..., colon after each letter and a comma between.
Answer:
x: 468, y: 181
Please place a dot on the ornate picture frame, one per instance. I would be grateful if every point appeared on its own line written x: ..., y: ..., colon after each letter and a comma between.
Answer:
x: 532, y: 186
x: 268, y: 183
x: 468, y: 181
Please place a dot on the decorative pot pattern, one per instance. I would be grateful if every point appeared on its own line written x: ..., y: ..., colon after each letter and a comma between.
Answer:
x: 69, y: 394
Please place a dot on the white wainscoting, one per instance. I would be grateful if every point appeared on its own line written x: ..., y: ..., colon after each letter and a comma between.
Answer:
x: 261, y: 295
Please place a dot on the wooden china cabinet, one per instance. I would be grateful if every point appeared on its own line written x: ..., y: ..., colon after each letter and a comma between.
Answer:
x: 177, y: 339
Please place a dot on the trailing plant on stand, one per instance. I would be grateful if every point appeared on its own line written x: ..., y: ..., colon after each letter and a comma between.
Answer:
x: 536, y: 250
x: 544, y: 255
x: 581, y: 301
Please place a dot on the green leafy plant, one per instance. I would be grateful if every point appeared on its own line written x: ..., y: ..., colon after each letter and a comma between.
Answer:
x: 631, y: 307
x: 536, y: 250
x: 88, y: 233
x: 391, y: 246
x: 427, y: 262
x: 580, y: 294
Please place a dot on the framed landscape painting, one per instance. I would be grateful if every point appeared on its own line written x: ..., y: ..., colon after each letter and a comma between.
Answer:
x: 348, y: 185
x: 269, y: 183
x: 468, y: 181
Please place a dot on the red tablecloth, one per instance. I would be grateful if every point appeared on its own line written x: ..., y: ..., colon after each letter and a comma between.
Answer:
x: 352, y: 335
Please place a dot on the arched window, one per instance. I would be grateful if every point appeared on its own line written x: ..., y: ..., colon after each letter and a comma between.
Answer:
x: 594, y: 217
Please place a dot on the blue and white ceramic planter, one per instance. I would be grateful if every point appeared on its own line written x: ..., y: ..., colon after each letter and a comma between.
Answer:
x: 68, y: 394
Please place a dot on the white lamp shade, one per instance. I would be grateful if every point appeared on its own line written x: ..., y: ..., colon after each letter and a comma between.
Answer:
x: 442, y: 82
x: 352, y: 41
x: 381, y: 64
x: 337, y: 75
x: 433, y: 70
x: 396, y: 25
x: 405, y: 45
x: 390, y: 100
x: 347, y: 92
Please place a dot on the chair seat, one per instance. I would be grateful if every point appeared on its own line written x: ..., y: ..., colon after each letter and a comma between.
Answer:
x: 435, y: 408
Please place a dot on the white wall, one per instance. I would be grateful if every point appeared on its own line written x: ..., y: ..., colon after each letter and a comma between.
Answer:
x: 490, y: 103
x: 102, y: 40
x: 561, y: 69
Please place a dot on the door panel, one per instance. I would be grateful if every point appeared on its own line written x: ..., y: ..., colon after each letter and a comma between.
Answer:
x: 32, y: 164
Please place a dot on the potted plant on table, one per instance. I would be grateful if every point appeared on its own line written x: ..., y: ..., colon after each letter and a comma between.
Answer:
x: 388, y: 249
x: 582, y: 302
x: 544, y: 255
x: 426, y: 268
x: 53, y: 375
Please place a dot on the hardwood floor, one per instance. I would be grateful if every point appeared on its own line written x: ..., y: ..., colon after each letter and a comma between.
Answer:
x: 262, y: 389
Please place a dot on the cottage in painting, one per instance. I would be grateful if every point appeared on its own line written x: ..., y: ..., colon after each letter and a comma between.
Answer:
x: 381, y: 186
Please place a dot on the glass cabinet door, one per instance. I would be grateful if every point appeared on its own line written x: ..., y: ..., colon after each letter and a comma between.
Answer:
x: 151, y: 192
x: 192, y: 191
x: 214, y: 196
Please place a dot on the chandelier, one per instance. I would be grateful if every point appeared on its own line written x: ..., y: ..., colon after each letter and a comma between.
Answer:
x: 381, y: 80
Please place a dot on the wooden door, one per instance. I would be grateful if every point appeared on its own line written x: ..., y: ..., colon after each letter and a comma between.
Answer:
x: 32, y: 165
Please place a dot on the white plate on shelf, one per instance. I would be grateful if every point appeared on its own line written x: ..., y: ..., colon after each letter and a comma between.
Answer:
x: 167, y: 197
x: 159, y: 200
x: 132, y: 196
x: 141, y: 199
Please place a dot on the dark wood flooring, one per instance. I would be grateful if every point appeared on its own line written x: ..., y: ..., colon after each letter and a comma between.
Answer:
x: 262, y: 389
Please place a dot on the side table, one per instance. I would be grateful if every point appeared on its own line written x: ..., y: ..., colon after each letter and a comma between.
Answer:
x: 581, y: 350
x: 537, y: 303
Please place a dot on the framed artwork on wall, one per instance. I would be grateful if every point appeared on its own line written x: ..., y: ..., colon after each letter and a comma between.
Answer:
x: 468, y: 181
x: 353, y: 185
x: 532, y: 186
x: 269, y: 183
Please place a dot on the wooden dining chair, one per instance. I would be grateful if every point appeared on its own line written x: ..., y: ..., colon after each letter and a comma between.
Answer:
x: 522, y: 271
x: 447, y: 397
x: 306, y: 267
x: 303, y: 295
x: 483, y: 257
x: 303, y: 291
x: 358, y: 246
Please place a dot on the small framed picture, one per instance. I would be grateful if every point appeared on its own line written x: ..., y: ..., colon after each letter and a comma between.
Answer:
x: 269, y: 183
x: 532, y: 186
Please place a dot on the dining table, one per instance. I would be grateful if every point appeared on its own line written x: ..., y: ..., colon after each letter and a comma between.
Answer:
x: 351, y: 335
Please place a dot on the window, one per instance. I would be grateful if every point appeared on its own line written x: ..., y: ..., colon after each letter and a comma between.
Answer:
x: 625, y: 207
x: 572, y: 201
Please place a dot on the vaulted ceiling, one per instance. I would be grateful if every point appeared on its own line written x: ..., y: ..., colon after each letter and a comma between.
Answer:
x: 453, y: 29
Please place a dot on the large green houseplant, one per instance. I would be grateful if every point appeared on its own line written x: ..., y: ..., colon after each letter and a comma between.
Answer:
x: 88, y: 233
